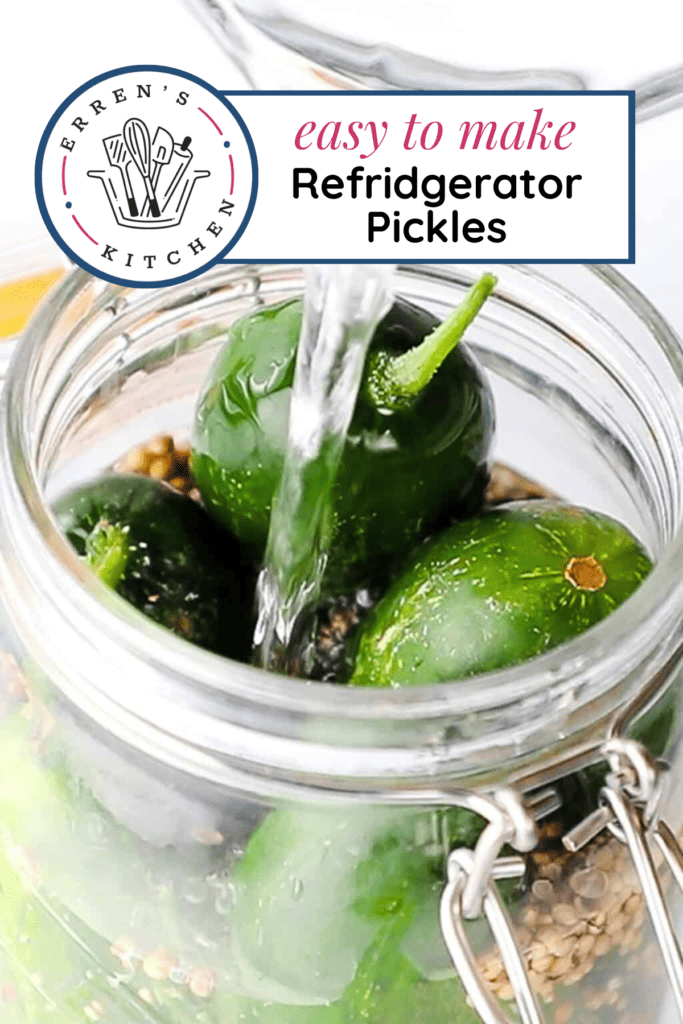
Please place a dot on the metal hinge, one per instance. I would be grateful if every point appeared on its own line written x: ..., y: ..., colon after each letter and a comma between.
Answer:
x: 630, y: 805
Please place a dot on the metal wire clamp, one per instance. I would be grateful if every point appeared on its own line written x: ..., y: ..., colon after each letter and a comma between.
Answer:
x: 470, y: 890
x: 630, y: 805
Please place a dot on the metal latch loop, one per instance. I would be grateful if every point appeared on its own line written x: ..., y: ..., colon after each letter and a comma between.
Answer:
x: 631, y: 805
x: 470, y: 891
x: 509, y: 822
x: 635, y: 771
x: 461, y: 870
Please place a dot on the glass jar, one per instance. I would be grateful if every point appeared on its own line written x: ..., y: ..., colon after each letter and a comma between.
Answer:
x: 184, y: 838
x: 396, y: 44
x: 659, y: 197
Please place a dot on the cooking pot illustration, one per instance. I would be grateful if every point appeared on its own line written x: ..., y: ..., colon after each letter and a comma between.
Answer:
x: 147, y: 184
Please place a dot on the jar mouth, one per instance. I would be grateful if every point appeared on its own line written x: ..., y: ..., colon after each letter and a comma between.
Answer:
x: 171, y: 694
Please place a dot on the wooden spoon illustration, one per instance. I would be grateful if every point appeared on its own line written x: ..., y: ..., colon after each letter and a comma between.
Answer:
x: 136, y: 137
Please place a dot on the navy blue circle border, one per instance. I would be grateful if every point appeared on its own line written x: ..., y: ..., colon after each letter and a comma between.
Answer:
x: 95, y: 271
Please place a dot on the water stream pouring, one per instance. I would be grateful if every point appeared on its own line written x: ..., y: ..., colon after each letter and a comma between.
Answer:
x: 342, y: 307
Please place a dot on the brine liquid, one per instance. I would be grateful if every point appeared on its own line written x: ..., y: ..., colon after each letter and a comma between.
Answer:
x: 342, y: 308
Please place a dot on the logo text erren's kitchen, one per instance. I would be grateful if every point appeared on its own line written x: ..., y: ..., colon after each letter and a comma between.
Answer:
x: 146, y: 176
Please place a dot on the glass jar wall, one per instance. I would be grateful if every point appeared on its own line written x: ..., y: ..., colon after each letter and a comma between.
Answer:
x: 184, y: 838
x: 659, y: 198
x: 289, y: 44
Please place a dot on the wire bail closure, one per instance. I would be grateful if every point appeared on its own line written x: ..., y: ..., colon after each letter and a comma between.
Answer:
x: 630, y: 807
x: 470, y: 890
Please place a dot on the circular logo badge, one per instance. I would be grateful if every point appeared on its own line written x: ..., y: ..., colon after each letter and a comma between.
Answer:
x: 146, y: 176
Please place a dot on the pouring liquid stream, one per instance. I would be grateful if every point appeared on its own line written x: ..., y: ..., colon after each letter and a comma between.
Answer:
x: 342, y: 307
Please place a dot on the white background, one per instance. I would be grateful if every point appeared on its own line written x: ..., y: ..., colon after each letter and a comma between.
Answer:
x: 593, y: 225
x: 50, y: 49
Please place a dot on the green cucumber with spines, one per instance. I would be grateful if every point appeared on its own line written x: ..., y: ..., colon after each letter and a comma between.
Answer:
x: 161, y: 552
x: 416, y: 451
x: 495, y: 591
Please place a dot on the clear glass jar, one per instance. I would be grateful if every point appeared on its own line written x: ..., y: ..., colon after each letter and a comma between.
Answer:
x: 396, y: 44
x: 659, y: 198
x: 184, y: 838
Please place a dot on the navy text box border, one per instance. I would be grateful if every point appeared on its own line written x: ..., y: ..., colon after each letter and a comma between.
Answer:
x: 631, y: 211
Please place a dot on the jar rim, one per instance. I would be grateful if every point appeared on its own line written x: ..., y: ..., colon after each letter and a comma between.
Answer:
x: 563, y: 681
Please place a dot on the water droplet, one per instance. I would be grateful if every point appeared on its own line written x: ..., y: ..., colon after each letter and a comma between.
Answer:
x: 195, y: 891
x: 94, y: 827
x: 297, y: 888
x: 224, y: 905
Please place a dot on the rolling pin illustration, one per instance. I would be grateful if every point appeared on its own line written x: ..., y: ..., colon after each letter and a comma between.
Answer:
x: 172, y: 173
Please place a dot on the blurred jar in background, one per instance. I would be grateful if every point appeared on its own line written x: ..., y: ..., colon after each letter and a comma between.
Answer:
x: 658, y: 271
x: 380, y: 44
x: 437, y: 44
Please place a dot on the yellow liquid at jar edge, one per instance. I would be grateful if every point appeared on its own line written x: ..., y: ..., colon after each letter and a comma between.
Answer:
x: 19, y: 298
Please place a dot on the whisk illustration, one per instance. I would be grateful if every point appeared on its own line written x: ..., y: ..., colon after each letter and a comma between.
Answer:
x: 149, y: 182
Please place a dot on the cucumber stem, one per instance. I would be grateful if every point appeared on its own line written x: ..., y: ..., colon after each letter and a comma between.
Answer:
x: 107, y: 551
x: 393, y: 381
